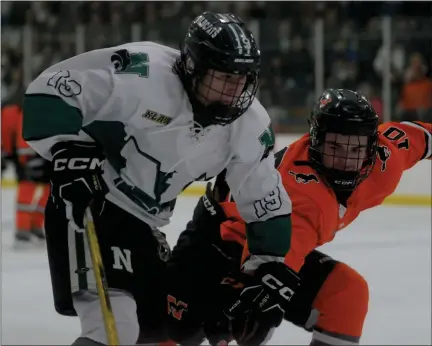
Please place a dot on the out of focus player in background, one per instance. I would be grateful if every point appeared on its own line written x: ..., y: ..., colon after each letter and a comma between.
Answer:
x: 32, y: 175
x: 345, y: 165
x: 159, y: 119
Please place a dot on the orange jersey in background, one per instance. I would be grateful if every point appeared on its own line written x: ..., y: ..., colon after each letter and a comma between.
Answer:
x: 317, y: 216
x: 31, y: 195
x: 9, y: 116
x: 12, y: 139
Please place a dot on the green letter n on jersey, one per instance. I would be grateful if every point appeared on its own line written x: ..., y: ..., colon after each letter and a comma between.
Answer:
x: 267, y: 139
x: 134, y: 63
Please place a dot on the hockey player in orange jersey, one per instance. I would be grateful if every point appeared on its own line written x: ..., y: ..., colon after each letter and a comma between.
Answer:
x: 346, y: 164
x: 32, y: 178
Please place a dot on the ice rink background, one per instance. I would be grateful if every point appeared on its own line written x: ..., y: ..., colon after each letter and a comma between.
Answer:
x: 389, y: 246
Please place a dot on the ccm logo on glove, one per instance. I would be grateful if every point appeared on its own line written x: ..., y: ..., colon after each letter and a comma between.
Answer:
x: 77, y: 163
x: 208, y: 205
x: 273, y: 283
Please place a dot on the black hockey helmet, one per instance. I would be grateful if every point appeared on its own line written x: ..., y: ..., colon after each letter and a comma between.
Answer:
x: 216, y: 47
x: 338, y: 120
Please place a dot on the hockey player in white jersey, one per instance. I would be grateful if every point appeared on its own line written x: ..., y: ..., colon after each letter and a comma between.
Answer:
x: 159, y: 119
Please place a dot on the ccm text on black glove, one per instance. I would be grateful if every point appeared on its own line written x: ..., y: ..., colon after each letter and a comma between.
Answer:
x: 77, y: 178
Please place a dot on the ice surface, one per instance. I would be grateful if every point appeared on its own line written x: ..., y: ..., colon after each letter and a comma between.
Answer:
x: 390, y: 246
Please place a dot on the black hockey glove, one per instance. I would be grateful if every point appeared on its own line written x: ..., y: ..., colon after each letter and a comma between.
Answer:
x: 261, y: 304
x: 76, y: 178
x: 207, y: 219
x: 208, y: 214
x: 208, y: 209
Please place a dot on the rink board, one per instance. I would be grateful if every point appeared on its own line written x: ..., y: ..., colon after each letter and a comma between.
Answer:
x: 414, y: 188
x: 395, y: 199
x: 198, y: 189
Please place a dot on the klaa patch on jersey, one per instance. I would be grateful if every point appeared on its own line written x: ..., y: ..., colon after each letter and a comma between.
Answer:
x: 157, y: 117
x: 302, y: 178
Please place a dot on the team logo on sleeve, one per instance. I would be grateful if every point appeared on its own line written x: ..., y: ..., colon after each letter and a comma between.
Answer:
x: 302, y: 178
x: 383, y: 154
x: 121, y: 59
x: 131, y: 63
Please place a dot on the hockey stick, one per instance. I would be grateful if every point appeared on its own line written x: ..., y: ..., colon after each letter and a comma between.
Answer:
x: 101, y: 282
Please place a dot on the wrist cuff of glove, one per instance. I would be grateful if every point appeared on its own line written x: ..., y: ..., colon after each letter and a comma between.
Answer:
x: 78, y: 146
x: 255, y: 261
x: 208, y: 209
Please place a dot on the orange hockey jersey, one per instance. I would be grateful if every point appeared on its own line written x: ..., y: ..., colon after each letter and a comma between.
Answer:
x: 317, y: 216
x: 32, y: 172
x: 29, y: 165
x: 13, y: 143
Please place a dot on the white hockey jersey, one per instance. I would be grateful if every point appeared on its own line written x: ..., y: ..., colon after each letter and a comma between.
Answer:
x: 140, y: 114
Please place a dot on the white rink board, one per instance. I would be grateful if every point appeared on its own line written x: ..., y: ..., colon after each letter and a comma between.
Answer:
x: 415, y: 182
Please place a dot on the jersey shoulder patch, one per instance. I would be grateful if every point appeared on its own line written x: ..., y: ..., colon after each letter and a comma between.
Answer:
x: 149, y: 76
x: 252, y: 133
x: 304, y: 178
